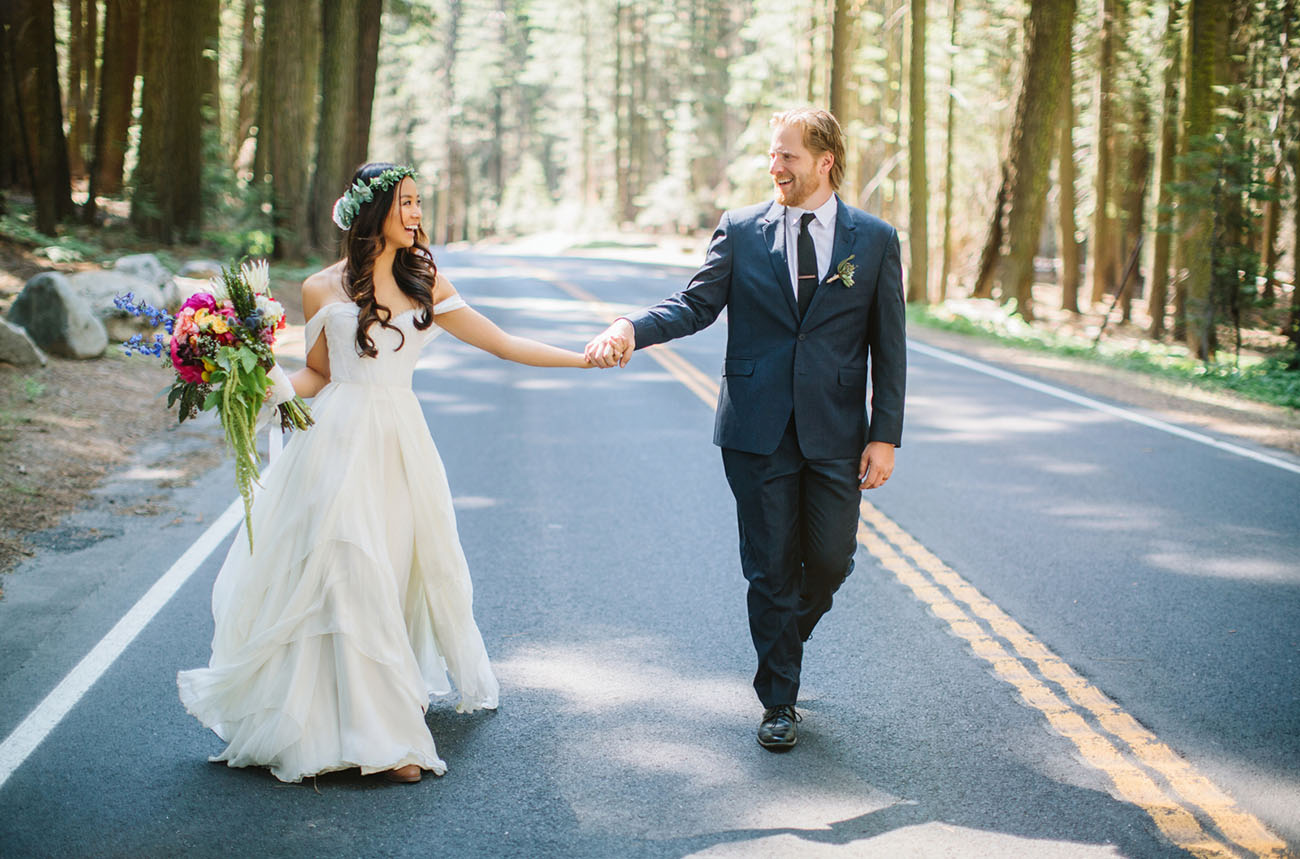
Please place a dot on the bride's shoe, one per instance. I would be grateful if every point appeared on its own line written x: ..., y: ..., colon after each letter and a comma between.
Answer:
x: 408, y: 774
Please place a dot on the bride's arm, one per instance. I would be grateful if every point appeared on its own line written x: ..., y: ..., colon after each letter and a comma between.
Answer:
x: 307, y: 382
x: 468, y: 325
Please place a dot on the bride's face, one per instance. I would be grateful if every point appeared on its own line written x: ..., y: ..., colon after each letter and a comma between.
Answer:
x: 403, y: 223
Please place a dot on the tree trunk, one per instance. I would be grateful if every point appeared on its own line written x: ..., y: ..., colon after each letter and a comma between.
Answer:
x: 40, y: 106
x: 1046, y: 73
x: 167, y: 201
x: 1159, y: 297
x: 1273, y: 208
x: 1195, y: 210
x: 917, y: 182
x: 1292, y: 329
x: 947, y: 150
x: 208, y: 13
x: 370, y: 17
x: 1104, y: 253
x: 246, y: 104
x: 338, y: 105
x: 1135, y: 194
x: 991, y: 256
x: 842, y: 59
x: 116, y: 96
x: 1067, y: 200
x: 291, y: 56
x: 16, y: 157
x: 81, y: 64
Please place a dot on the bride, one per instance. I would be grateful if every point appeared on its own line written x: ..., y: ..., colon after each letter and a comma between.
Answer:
x: 354, y: 606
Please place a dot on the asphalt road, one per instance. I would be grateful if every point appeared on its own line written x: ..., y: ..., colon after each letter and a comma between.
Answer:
x: 1068, y: 634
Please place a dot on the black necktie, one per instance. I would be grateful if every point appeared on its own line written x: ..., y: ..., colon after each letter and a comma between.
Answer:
x: 807, y: 264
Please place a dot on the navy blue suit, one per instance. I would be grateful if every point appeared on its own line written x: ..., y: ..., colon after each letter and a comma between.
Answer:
x: 792, y: 414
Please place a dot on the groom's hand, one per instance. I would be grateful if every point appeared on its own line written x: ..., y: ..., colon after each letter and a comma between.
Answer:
x: 614, y: 345
x: 876, y: 465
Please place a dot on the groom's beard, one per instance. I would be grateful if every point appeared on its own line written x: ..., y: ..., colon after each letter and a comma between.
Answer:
x: 794, y: 193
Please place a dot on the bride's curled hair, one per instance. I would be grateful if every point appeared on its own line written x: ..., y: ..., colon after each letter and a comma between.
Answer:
x: 413, y: 267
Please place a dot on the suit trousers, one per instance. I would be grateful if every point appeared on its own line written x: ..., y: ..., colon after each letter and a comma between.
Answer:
x: 798, y: 522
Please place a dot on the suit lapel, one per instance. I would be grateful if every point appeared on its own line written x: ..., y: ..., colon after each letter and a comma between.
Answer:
x: 840, y: 250
x: 774, y: 235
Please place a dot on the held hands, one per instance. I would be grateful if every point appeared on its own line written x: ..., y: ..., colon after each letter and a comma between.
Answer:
x: 876, y: 465
x: 613, y: 347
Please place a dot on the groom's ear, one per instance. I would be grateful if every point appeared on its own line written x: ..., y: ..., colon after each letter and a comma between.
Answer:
x: 825, y: 162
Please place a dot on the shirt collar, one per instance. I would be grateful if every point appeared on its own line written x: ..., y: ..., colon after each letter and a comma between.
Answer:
x: 824, y: 213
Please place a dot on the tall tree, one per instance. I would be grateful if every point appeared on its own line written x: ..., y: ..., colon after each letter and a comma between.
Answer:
x: 842, y: 43
x: 947, y: 150
x: 167, y: 203
x: 246, y: 87
x: 81, y: 81
x: 116, y: 95
x: 1172, y: 61
x: 1292, y: 329
x: 288, y: 86
x: 1067, y: 200
x: 1103, y: 247
x: 1195, y: 209
x: 338, y: 105
x: 39, y: 102
x: 1133, y: 198
x: 369, y: 16
x: 1033, y: 135
x: 917, y: 182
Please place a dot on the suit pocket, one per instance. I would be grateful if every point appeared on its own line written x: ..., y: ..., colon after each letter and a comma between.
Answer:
x: 738, y: 367
x: 853, y: 377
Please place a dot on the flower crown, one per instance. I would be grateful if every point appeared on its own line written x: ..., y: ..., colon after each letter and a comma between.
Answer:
x: 347, y: 206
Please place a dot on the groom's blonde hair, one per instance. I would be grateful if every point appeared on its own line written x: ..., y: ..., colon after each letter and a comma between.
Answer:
x: 821, y: 133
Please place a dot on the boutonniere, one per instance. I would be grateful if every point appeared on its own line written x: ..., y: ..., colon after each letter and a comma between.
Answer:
x: 844, y: 272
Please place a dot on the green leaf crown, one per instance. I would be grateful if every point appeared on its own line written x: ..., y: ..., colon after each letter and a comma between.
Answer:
x: 347, y: 206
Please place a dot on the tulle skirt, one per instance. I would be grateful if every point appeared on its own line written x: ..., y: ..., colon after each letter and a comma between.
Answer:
x: 354, y: 606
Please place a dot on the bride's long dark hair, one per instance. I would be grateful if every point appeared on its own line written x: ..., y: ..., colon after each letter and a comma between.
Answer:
x: 413, y: 267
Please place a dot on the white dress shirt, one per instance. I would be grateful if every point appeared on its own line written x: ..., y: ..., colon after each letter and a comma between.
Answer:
x: 822, y: 228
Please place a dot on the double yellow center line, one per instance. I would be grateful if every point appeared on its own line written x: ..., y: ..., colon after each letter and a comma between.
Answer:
x: 1191, y: 811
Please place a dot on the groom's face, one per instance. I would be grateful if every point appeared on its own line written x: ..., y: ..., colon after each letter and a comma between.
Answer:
x: 796, y: 172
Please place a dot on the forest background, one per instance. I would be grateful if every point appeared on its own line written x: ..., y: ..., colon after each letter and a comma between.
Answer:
x: 1117, y: 166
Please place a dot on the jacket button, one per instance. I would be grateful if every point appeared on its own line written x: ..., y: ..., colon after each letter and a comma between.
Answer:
x: 803, y: 336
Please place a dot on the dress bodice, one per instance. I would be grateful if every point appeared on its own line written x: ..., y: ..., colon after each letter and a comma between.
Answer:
x: 392, y: 366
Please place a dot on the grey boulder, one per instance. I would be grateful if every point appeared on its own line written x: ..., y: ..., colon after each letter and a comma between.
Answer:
x: 58, y: 319
x: 202, y: 268
x: 100, y: 288
x: 17, y: 346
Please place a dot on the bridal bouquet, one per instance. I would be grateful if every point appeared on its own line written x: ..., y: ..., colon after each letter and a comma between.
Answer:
x: 220, y: 348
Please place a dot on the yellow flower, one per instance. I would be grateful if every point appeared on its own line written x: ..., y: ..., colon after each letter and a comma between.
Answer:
x: 206, y: 376
x: 201, y: 316
x: 209, y: 366
x: 219, y: 325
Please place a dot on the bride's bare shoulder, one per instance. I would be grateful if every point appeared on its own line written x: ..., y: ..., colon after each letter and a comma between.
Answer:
x: 324, y: 287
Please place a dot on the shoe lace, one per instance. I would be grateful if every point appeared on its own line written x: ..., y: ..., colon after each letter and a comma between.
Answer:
x: 782, y: 710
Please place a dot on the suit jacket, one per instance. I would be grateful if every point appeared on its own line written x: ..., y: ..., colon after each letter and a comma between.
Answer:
x: 776, y: 365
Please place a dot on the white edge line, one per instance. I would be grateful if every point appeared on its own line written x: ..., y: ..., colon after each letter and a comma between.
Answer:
x: 46, y: 716
x: 1127, y: 415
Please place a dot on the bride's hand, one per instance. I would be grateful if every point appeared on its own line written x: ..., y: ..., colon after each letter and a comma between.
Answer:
x: 281, y: 389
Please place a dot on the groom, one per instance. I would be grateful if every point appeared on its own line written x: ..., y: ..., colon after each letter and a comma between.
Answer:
x: 813, y: 292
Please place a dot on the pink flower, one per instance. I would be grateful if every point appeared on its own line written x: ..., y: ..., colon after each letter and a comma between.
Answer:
x: 200, y: 299
x: 186, y: 371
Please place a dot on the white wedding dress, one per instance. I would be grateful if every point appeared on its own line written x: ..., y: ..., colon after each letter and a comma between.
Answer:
x: 355, y: 603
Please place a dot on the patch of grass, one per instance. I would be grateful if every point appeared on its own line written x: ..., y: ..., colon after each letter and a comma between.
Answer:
x: 1267, y: 380
x: 32, y: 389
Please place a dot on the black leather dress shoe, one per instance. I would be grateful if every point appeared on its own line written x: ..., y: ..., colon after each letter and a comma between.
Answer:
x: 778, y: 731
